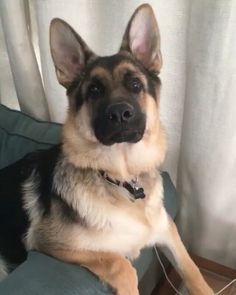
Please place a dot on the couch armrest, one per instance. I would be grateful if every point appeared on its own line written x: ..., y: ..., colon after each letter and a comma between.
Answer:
x: 41, y: 274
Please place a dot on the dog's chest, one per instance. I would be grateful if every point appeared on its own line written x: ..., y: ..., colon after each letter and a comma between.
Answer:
x: 119, y: 225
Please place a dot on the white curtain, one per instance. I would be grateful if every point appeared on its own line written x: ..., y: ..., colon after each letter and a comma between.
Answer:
x: 198, y: 102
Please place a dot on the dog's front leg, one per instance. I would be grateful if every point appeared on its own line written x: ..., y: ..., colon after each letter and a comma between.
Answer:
x: 187, y: 269
x: 111, y: 268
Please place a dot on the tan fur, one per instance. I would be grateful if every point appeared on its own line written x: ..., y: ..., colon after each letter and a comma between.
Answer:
x: 101, y: 72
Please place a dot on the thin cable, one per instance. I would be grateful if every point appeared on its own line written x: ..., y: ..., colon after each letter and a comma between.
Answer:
x: 177, y: 292
x: 227, y: 286
x: 164, y: 270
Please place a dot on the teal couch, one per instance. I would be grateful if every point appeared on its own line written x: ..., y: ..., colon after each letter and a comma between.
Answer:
x: 41, y: 274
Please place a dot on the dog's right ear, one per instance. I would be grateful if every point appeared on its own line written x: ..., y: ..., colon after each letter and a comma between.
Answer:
x: 142, y: 38
x: 69, y: 52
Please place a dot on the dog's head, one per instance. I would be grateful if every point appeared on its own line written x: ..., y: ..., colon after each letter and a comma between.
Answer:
x: 113, y: 121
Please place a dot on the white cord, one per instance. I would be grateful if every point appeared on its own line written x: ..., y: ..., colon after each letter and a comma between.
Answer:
x: 177, y: 292
x: 164, y: 270
x: 219, y: 292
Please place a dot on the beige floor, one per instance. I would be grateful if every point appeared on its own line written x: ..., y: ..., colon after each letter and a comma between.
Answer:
x: 217, y: 283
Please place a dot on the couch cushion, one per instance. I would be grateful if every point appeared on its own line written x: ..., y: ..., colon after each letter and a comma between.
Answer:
x: 21, y: 134
x: 44, y: 275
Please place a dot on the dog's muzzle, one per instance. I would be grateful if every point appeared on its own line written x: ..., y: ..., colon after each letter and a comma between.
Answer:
x: 121, y: 122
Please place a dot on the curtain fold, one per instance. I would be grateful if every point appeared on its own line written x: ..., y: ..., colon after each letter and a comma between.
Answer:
x: 207, y: 166
x: 198, y: 106
x: 24, y: 67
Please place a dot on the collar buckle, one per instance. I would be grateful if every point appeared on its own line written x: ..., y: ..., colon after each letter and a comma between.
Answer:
x: 132, y: 187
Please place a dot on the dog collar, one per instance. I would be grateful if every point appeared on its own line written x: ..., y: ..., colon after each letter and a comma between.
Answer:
x: 132, y: 187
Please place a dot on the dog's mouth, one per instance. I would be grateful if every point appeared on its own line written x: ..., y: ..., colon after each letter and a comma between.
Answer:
x: 125, y: 135
x: 132, y: 136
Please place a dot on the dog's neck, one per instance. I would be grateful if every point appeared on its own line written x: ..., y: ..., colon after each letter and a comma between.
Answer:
x: 137, y: 188
x: 114, y: 164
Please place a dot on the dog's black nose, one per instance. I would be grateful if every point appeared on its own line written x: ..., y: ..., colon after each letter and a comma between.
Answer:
x: 120, y: 112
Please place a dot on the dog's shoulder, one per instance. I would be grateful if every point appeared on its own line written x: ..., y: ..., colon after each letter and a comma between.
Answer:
x: 40, y: 160
x: 38, y: 172
x: 38, y: 165
x: 14, y: 219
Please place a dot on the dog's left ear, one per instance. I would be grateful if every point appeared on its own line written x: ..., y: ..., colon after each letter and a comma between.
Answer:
x: 69, y: 52
x: 142, y: 38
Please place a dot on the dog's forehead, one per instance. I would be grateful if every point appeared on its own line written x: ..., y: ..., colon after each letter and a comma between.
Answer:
x: 110, y: 65
x: 112, y: 70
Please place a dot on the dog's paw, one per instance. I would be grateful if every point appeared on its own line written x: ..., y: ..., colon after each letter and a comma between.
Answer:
x: 128, y: 283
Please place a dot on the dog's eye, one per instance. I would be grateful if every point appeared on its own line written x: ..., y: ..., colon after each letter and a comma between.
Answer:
x: 134, y: 85
x: 94, y: 91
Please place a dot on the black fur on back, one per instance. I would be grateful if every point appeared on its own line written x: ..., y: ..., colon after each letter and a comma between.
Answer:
x: 14, y: 221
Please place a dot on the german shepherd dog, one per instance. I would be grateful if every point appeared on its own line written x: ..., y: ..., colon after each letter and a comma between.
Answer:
x: 96, y: 199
